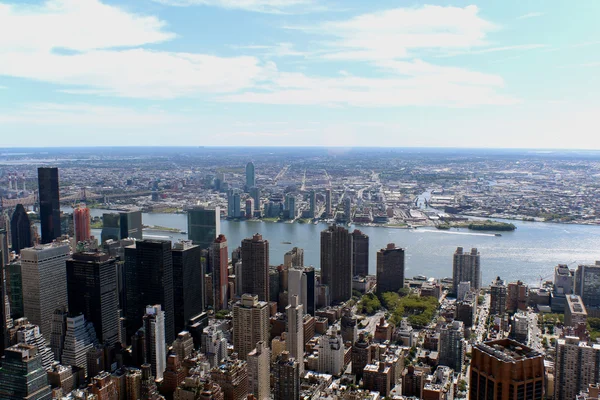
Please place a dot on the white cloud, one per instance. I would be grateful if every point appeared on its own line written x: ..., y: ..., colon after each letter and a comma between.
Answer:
x: 531, y: 15
x: 266, y: 6
x: 3, y: 87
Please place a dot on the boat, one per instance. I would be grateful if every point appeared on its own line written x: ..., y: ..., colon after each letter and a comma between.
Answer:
x: 420, y: 278
x: 497, y: 234
x: 183, y: 232
x: 286, y: 242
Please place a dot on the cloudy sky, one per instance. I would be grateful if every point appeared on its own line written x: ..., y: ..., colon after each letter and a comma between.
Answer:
x: 508, y: 73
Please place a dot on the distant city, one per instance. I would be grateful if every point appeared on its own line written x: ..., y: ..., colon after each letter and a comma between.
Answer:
x: 100, y: 304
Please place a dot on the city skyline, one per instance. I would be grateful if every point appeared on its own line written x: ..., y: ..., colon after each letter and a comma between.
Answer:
x: 298, y: 73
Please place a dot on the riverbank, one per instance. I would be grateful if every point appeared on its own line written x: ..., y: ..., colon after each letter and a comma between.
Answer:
x: 487, y: 225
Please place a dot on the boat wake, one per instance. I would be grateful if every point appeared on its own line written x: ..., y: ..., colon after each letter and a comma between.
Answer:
x: 456, y: 233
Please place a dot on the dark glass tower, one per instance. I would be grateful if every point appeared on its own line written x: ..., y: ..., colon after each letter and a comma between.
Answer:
x: 131, y: 225
x: 20, y: 227
x: 22, y: 375
x: 149, y: 280
x: 390, y: 269
x: 204, y: 225
x: 336, y: 262
x: 49, y: 203
x: 188, y: 283
x: 92, y: 291
x: 360, y: 253
x: 255, y: 267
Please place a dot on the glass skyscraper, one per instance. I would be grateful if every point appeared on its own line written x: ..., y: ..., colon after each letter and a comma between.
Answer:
x: 204, y: 225
x: 49, y: 203
x: 22, y: 375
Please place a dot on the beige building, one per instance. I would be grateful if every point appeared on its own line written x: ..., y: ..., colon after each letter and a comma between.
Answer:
x: 575, y: 312
x: 250, y: 324
x: 576, y: 367
x: 259, y: 371
x: 295, y: 331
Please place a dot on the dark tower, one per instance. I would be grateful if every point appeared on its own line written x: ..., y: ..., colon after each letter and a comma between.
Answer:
x: 92, y: 291
x: 255, y: 267
x: 360, y: 253
x: 149, y: 280
x: 49, y: 203
x: 336, y: 262
x: 188, y: 283
x: 20, y: 227
x: 390, y: 269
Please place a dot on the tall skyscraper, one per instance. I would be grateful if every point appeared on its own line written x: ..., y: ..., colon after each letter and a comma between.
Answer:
x: 204, y: 225
x: 255, y: 194
x: 81, y: 223
x: 506, y: 370
x: 219, y: 259
x: 4, y: 308
x: 250, y: 324
x: 92, y: 291
x: 497, y: 297
x: 336, y: 262
x: 466, y: 268
x: 131, y: 224
x: 111, y: 227
x: 22, y: 375
x: 188, y: 283
x: 255, y: 267
x: 294, y: 258
x: 328, y: 202
x: 27, y: 333
x: 44, y: 279
x: 20, y: 227
x: 576, y: 367
x: 149, y: 280
x: 287, y: 378
x: 312, y: 200
x: 259, y: 368
x: 360, y: 253
x: 49, y: 203
x: 295, y: 331
x: 452, y: 348
x: 154, y: 335
x: 390, y: 269
x: 587, y: 284
x: 290, y: 206
x: 79, y: 338
x: 298, y: 286
x: 517, y: 296
x: 331, y: 353
x: 250, y: 177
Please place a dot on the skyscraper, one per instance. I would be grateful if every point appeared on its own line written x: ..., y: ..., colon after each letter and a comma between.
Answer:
x: 49, y: 203
x: 452, y: 349
x: 92, y: 291
x: 232, y: 377
x: 290, y: 206
x: 505, y: 370
x: 79, y: 338
x: 576, y: 367
x: 360, y: 253
x: 294, y: 258
x: 154, y: 335
x: 131, y: 224
x: 22, y: 375
x: 287, y: 378
x: 20, y: 227
x: 255, y: 267
x: 204, y: 225
x: 44, y: 279
x: 219, y: 258
x: 259, y: 366
x: 234, y: 203
x: 111, y: 227
x: 250, y: 178
x: 255, y: 194
x: 328, y: 202
x: 587, y: 284
x: 312, y: 204
x: 390, y: 269
x: 497, y: 297
x: 27, y: 333
x: 336, y: 262
x: 250, y: 324
x: 81, y: 223
x: 466, y: 268
x: 188, y: 283
x: 295, y: 331
x: 149, y: 280
x: 298, y: 286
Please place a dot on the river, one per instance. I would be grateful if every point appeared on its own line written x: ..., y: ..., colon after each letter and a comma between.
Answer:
x: 528, y: 253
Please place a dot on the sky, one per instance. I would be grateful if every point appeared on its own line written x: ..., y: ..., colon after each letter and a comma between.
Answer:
x: 497, y: 74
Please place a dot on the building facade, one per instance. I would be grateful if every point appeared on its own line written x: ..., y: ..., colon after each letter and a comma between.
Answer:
x: 466, y: 268
x: 204, y: 225
x: 336, y: 263
x: 255, y: 267
x: 390, y: 269
x: 49, y: 199
x: 20, y: 229
x: 360, y: 253
x: 188, y: 287
x: 250, y: 324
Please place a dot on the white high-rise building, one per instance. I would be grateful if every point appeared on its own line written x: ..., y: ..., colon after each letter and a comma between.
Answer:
x: 80, y: 337
x: 156, y: 348
x: 259, y: 371
x: 295, y: 332
x: 44, y: 277
x: 331, y: 353
x: 297, y: 286
x: 214, y: 345
x: 28, y: 333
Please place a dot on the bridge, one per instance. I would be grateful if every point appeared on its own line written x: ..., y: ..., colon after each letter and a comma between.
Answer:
x: 82, y: 195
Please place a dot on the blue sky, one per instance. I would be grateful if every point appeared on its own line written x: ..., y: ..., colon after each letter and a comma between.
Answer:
x: 300, y: 72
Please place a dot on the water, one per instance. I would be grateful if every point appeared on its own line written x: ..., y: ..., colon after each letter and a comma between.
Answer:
x: 529, y: 253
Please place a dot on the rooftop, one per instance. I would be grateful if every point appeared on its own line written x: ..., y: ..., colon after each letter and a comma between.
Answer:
x: 507, y: 350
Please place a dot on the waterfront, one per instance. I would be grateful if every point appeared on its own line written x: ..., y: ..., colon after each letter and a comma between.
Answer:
x: 528, y: 253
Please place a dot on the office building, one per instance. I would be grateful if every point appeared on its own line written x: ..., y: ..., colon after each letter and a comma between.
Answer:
x: 587, y: 284
x: 577, y: 365
x: 250, y: 176
x: 255, y: 267
x: 250, y: 324
x: 232, y: 377
x: 299, y: 283
x: 149, y: 280
x: 214, y: 345
x: 497, y: 297
x: 517, y: 296
x: 44, y: 279
x: 219, y: 261
x: 505, y: 370
x: 563, y: 280
x: 377, y: 377
x: 4, y: 241
x: 22, y: 375
x: 520, y: 327
x: 575, y: 312
x: 360, y: 253
x: 466, y: 268
x: 361, y: 355
x: 82, y: 223
x: 49, y: 200
x: 463, y: 289
x: 331, y: 353
x: 155, y: 343
x: 188, y: 288
x: 61, y: 377
x: 92, y: 291
x: 111, y: 227
x: 295, y: 331
x: 452, y: 348
x: 294, y: 258
x: 286, y: 376
x: 349, y: 326
x: 250, y: 208
x: 14, y: 288
x: 255, y: 194
x: 328, y: 210
x: 312, y: 200
x: 20, y: 227
x: 204, y: 225
x: 103, y: 387
x: 466, y: 309
x: 259, y: 371
x: 148, y: 383
x: 78, y: 339
x: 27, y: 333
x: 347, y: 209
x: 233, y: 203
x: 290, y: 206
x: 123, y: 225
x: 390, y: 269
x: 336, y: 263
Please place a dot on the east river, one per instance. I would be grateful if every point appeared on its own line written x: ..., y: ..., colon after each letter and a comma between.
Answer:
x: 528, y: 253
